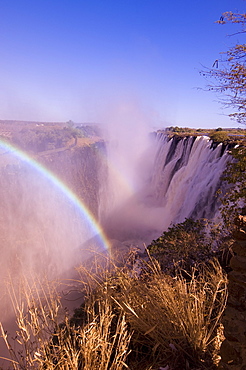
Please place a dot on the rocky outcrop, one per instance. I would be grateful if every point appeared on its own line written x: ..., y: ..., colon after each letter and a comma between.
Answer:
x: 233, y: 349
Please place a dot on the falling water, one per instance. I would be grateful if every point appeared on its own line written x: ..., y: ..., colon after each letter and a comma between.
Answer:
x: 148, y: 182
x: 186, y: 177
x: 181, y: 179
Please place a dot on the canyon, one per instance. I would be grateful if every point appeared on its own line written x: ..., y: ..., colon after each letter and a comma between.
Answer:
x: 99, y: 194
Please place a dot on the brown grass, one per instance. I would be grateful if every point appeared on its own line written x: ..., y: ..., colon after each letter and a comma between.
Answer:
x: 128, y: 320
x: 177, y: 318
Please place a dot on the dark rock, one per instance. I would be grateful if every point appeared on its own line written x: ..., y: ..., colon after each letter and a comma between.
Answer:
x: 239, y: 277
x: 233, y: 349
x: 229, y: 354
x: 238, y: 263
x: 237, y: 295
x: 239, y: 234
x: 234, y: 325
x: 239, y: 247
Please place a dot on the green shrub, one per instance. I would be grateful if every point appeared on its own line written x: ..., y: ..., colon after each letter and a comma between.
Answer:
x: 219, y: 136
x: 185, y: 244
x: 234, y: 201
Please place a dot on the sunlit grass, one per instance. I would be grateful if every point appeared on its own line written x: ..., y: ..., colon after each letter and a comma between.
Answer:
x: 131, y: 319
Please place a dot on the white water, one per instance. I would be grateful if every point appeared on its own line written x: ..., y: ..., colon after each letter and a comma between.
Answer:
x: 180, y: 178
x: 186, y: 182
x: 149, y: 185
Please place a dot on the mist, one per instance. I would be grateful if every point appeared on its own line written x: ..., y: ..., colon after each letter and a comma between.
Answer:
x: 44, y: 234
x: 130, y: 152
x: 143, y: 184
x: 42, y: 230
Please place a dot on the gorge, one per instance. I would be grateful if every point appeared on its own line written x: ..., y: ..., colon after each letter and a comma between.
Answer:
x: 177, y: 179
x: 57, y: 205
x: 131, y: 197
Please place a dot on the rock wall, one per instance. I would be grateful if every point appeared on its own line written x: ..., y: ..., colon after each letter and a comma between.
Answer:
x: 233, y: 349
x: 81, y: 169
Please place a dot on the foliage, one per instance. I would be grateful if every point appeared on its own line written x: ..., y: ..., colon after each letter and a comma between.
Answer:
x: 180, y: 130
x: 89, y: 130
x: 38, y: 140
x: 127, y: 321
x: 230, y: 80
x: 42, y: 138
x: 219, y: 136
x: 186, y: 244
x: 229, y: 75
x: 232, y: 133
x: 176, y: 129
x: 234, y: 201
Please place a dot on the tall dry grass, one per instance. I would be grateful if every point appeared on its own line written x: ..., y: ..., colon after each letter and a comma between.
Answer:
x: 46, y: 338
x: 177, y: 317
x: 129, y: 320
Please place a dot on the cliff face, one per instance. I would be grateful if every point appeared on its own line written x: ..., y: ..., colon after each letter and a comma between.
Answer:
x: 233, y: 349
x: 180, y: 181
x: 177, y: 179
x: 43, y: 230
x: 81, y: 168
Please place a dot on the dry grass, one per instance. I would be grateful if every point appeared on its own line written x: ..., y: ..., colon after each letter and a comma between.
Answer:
x: 177, y: 317
x: 127, y: 321
x: 47, y: 340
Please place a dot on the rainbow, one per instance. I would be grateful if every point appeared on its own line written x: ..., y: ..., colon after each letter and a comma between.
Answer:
x: 86, y: 215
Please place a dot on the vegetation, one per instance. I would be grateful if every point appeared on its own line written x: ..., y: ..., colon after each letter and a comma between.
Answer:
x: 228, y: 77
x: 185, y: 244
x: 44, y: 342
x: 38, y: 137
x: 165, y: 314
x: 38, y: 140
x: 219, y: 136
x: 165, y: 310
x: 234, y: 201
x: 127, y: 321
x: 174, y: 320
x: 229, y: 73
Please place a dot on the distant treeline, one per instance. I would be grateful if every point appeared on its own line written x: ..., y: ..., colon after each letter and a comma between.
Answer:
x: 218, y: 135
x: 40, y: 139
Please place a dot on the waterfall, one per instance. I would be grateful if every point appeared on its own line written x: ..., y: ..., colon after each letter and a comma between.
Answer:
x: 137, y: 185
x: 186, y: 176
x: 181, y: 179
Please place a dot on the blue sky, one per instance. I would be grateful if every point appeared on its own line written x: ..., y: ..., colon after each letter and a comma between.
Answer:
x: 81, y: 60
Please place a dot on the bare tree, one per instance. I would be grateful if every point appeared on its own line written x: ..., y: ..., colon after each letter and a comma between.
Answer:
x: 228, y: 76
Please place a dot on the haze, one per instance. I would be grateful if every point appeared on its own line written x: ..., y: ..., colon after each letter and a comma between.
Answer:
x: 68, y: 60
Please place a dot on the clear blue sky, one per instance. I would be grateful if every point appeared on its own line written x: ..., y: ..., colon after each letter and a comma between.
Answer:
x: 82, y: 59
